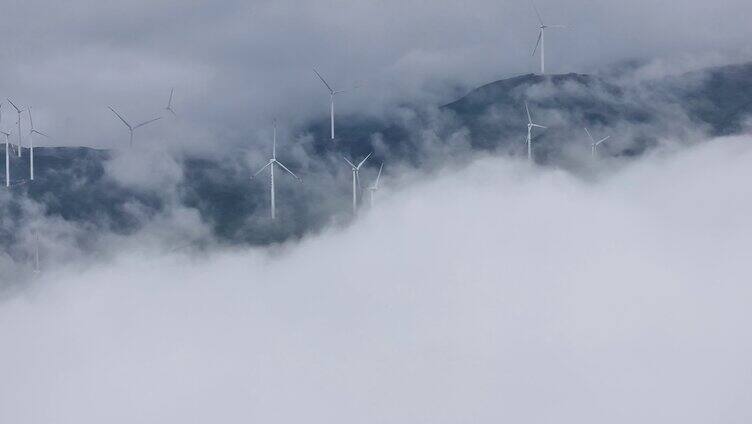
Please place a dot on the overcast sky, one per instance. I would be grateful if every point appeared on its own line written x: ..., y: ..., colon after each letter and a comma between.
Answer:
x: 237, y: 64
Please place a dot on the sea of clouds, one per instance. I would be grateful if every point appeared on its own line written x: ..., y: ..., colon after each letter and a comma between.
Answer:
x: 491, y: 292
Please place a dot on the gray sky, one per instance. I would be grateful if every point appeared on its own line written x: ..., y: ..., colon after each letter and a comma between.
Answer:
x: 236, y: 64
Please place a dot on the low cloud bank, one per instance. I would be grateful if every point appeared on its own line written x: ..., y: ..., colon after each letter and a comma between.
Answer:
x: 498, y: 292
x: 84, y: 203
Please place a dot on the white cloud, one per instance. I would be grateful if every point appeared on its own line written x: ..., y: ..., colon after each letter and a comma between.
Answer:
x: 148, y: 168
x: 494, y: 293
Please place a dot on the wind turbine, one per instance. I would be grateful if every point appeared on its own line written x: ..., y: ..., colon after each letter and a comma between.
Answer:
x: 375, y: 187
x: 130, y: 127
x: 594, y: 144
x: 7, y: 158
x: 542, y: 38
x: 169, y: 103
x: 356, y: 180
x: 19, y: 111
x: 273, y: 161
x: 530, y: 126
x: 37, y: 270
x: 332, y: 93
x: 31, y: 143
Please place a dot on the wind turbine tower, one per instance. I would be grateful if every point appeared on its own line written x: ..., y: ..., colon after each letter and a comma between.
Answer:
x: 31, y: 144
x: 7, y: 158
x: 19, y: 111
x: 332, y: 93
x: 272, y: 162
x: 542, y: 38
x: 130, y: 127
x: 375, y: 187
x: 594, y: 144
x: 530, y: 126
x: 356, y: 180
x: 37, y: 269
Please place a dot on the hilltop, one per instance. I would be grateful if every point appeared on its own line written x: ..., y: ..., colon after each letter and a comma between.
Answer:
x: 73, y: 184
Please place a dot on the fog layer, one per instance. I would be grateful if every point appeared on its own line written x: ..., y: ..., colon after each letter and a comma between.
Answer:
x: 494, y: 293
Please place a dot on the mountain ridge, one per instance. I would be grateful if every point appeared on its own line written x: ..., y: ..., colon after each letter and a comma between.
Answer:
x: 73, y: 184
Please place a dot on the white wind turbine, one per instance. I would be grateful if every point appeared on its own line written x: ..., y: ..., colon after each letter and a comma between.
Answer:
x: 375, y: 187
x: 31, y: 143
x: 273, y: 161
x: 594, y: 144
x: 530, y: 126
x: 19, y: 111
x: 356, y: 180
x: 132, y: 128
x: 7, y: 158
x: 37, y: 269
x: 332, y: 93
x: 169, y: 103
x: 542, y: 38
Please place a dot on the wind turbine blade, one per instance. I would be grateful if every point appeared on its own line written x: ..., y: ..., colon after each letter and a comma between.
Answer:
x: 606, y: 138
x: 14, y: 105
x: 529, y: 118
x: 324, y: 81
x: 359, y: 85
x: 537, y: 13
x: 556, y: 26
x: 364, y: 160
x: 378, y: 177
x: 274, y: 143
x: 350, y: 163
x: 353, y: 88
x: 121, y: 118
x: 539, y: 126
x: 288, y: 171
x: 537, y: 43
x: 41, y: 133
x: 169, y: 103
x: 31, y: 121
x: 147, y: 122
x: 588, y: 134
x: 261, y: 170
